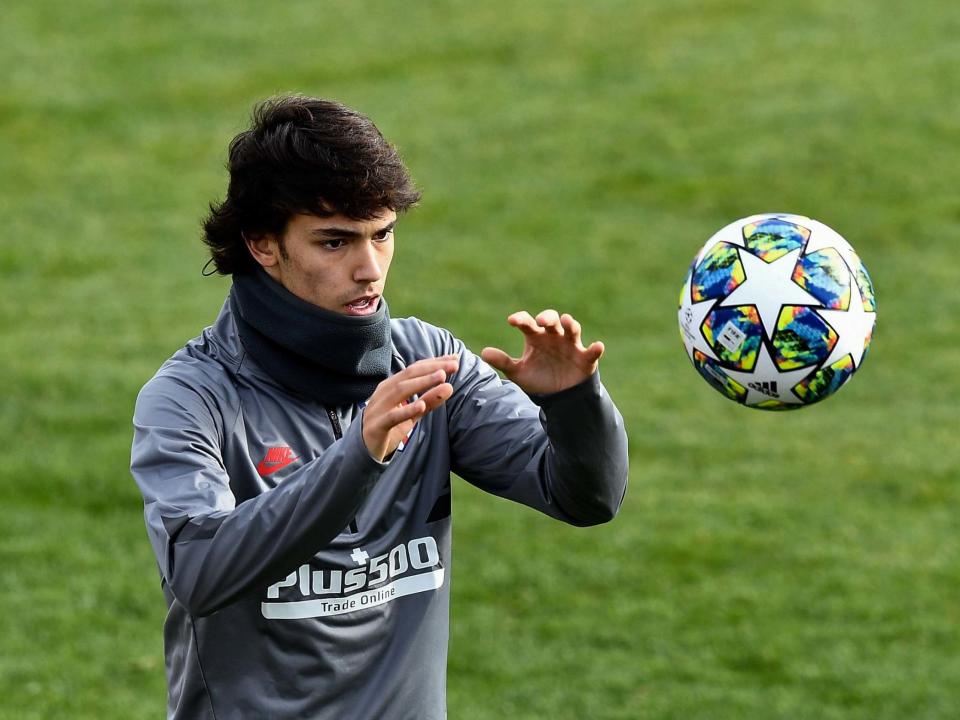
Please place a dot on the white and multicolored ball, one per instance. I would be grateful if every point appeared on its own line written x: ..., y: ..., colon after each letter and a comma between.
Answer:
x: 777, y: 311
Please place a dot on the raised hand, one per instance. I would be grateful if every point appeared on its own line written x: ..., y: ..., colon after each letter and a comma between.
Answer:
x: 389, y: 414
x: 554, y: 357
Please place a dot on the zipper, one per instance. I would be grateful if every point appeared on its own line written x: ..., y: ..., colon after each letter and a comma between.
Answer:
x: 335, y: 421
x: 338, y: 434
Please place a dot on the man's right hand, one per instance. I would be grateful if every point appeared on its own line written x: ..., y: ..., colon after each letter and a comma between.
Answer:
x: 390, y: 414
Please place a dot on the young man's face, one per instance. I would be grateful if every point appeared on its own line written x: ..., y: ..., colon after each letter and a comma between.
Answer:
x: 335, y: 263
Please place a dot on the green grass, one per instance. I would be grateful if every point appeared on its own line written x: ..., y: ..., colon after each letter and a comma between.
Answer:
x: 572, y: 155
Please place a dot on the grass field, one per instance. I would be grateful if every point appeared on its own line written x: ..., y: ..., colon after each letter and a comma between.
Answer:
x: 572, y: 155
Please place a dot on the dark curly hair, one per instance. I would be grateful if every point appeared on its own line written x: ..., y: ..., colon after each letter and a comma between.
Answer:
x: 302, y: 155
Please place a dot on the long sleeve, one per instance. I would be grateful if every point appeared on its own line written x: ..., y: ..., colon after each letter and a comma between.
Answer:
x: 211, y: 550
x: 564, y: 454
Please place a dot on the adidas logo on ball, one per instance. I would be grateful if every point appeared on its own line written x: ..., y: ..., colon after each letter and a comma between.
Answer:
x: 767, y: 388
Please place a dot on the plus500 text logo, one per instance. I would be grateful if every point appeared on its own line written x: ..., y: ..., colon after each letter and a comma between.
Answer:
x: 408, y: 568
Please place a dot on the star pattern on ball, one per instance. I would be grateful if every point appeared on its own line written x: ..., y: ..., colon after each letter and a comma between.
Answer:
x: 720, y: 237
x: 852, y: 326
x: 768, y: 287
x: 691, y: 320
x: 691, y: 316
x: 766, y: 382
x: 826, y: 238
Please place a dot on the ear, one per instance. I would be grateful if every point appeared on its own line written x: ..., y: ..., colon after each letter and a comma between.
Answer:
x: 264, y: 248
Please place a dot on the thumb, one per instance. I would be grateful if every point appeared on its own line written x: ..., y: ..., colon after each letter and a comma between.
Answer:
x: 499, y: 359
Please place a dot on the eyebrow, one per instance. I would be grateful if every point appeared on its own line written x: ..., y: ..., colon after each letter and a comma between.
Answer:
x: 340, y: 232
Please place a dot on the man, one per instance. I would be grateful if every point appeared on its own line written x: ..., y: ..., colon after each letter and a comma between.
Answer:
x: 295, y: 458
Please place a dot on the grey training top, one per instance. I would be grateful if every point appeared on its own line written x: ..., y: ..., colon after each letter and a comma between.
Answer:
x: 303, y: 578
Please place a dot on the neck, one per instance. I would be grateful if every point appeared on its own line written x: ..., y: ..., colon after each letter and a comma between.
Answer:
x: 328, y: 357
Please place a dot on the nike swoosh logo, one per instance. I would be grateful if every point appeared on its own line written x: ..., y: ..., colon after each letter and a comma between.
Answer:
x: 266, y: 468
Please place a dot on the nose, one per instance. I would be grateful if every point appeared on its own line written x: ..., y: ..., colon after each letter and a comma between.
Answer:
x: 367, y: 269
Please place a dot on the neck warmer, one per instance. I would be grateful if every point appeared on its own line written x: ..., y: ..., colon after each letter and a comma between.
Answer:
x: 331, y: 358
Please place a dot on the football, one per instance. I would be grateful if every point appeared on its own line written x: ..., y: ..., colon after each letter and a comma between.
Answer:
x: 777, y: 311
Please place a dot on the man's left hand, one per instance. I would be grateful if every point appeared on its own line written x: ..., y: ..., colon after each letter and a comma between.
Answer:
x: 554, y: 357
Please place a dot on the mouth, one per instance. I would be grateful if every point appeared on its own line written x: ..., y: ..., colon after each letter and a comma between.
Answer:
x: 365, y: 305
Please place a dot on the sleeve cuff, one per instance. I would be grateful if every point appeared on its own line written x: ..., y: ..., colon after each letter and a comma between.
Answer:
x: 354, y: 437
x: 589, y: 388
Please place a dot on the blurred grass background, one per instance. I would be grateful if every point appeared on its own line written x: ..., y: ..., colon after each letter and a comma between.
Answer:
x: 571, y: 155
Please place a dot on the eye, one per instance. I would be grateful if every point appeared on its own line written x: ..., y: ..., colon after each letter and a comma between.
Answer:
x: 383, y: 234
x: 333, y: 244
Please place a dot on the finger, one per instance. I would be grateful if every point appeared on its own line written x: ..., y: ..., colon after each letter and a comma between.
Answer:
x: 447, y: 363
x: 525, y: 323
x: 595, y: 351
x: 437, y: 396
x: 499, y: 359
x: 416, y: 371
x: 403, y: 413
x: 549, y: 320
x: 414, y: 386
x: 572, y: 329
x: 428, y: 402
